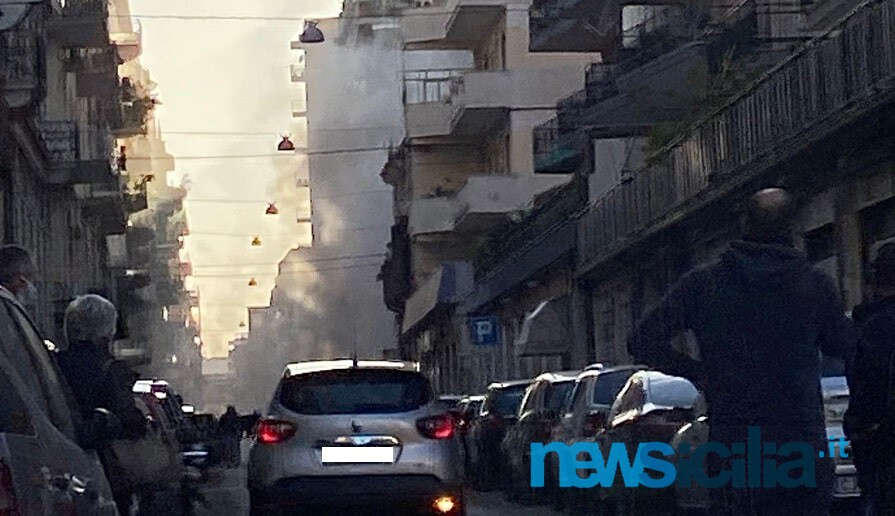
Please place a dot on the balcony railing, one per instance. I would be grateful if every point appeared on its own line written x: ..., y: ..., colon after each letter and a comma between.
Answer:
x: 423, y: 86
x: 830, y: 81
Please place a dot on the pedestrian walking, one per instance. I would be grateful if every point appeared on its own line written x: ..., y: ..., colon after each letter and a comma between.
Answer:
x: 870, y: 419
x: 230, y: 431
x: 761, y: 316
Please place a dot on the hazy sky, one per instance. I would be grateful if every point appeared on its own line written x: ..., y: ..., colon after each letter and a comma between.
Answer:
x: 230, y: 76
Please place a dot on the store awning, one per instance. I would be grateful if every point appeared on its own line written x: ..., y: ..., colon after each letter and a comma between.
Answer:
x: 445, y: 285
x: 545, y: 331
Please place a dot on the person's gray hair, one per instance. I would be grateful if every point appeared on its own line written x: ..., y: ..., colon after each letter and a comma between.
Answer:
x: 90, y: 318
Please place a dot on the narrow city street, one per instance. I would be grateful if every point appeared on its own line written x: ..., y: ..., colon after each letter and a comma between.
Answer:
x: 226, y: 495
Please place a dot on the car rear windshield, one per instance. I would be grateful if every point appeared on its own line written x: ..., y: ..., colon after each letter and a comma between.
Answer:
x: 608, y: 385
x: 355, y: 391
x: 672, y: 392
x: 505, y: 402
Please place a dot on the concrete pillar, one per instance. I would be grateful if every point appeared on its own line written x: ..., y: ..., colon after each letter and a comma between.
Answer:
x: 849, y: 244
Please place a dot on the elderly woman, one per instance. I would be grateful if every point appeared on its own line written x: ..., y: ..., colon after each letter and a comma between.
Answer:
x: 96, y: 378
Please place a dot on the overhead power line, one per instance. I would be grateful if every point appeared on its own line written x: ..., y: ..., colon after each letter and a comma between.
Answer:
x: 273, y: 199
x: 289, y: 273
x: 284, y: 154
x: 310, y: 260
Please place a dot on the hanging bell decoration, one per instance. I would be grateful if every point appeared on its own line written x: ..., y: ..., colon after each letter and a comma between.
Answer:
x: 253, y: 282
x: 272, y: 209
x: 311, y: 34
x: 286, y: 145
x: 256, y: 241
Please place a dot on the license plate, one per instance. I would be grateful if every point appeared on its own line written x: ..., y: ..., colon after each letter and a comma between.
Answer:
x: 846, y: 485
x: 357, y: 455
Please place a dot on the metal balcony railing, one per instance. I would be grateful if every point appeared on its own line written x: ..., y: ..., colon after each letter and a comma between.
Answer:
x: 833, y: 79
x: 422, y: 86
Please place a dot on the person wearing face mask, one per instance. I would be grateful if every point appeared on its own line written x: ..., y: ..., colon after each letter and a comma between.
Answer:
x: 17, y: 271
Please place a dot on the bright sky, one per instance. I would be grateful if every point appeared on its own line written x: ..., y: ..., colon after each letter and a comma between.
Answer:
x: 231, y: 76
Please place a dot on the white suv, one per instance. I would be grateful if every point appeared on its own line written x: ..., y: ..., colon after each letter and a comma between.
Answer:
x: 366, y: 434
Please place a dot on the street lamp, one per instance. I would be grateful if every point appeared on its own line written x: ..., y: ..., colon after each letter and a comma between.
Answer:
x: 253, y: 282
x: 256, y: 241
x: 311, y: 34
x: 286, y: 145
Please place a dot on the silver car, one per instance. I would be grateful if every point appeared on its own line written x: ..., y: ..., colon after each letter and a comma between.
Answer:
x: 364, y: 433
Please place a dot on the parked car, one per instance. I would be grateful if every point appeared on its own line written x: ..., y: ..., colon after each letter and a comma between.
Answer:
x: 499, y: 412
x: 44, y: 469
x: 355, y: 432
x: 469, y: 408
x: 584, y: 414
x: 538, y: 414
x: 651, y: 407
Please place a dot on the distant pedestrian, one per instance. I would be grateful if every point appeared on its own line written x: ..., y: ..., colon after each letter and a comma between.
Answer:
x: 761, y: 316
x: 17, y: 274
x: 870, y: 419
x: 230, y: 431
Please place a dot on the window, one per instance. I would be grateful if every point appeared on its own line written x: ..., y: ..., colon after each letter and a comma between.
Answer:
x: 532, y: 398
x: 355, y: 391
x: 43, y: 377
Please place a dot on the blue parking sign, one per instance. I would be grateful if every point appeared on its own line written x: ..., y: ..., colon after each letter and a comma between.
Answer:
x: 484, y: 331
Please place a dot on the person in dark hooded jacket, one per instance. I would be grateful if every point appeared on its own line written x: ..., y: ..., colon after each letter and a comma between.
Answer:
x: 870, y: 419
x: 762, y: 315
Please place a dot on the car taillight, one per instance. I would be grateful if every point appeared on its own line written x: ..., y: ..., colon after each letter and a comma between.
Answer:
x: 8, y: 503
x: 271, y: 431
x: 437, y: 427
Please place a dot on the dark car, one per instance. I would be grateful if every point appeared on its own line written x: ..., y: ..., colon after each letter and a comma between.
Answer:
x: 499, y: 412
x: 538, y: 414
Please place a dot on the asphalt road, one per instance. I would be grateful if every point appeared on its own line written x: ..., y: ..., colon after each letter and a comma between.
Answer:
x: 226, y: 495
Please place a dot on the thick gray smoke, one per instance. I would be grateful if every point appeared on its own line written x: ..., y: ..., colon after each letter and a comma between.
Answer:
x: 328, y: 302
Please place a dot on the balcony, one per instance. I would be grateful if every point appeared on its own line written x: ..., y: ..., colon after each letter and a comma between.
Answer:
x: 133, y: 114
x: 452, y: 24
x: 836, y: 80
x: 299, y: 109
x: 76, y: 156
x: 22, y: 70
x: 105, y: 203
x: 136, y: 200
x: 96, y: 70
x: 478, y: 206
x: 297, y: 72
x: 468, y: 103
x: 82, y: 23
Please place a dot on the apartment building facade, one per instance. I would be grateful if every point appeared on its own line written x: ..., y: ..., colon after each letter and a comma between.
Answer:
x: 70, y: 104
x: 690, y: 109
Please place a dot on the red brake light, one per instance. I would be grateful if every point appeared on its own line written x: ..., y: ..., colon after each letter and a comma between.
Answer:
x: 8, y: 502
x: 271, y: 431
x: 437, y: 427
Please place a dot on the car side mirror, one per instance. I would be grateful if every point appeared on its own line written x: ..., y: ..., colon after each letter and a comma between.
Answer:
x: 102, y: 428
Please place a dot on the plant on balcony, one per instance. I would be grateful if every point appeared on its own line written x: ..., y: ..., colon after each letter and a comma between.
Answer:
x: 734, y: 74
